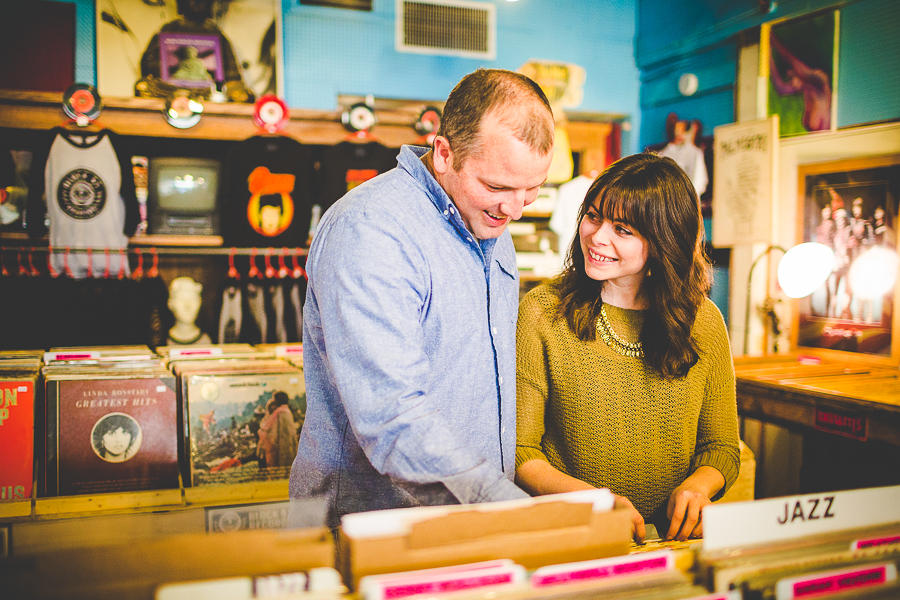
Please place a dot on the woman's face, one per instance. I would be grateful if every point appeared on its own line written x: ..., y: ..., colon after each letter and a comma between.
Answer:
x: 613, y: 251
x: 116, y: 441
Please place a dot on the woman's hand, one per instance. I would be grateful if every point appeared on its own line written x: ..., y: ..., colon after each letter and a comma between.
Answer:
x: 638, y: 530
x: 685, y: 510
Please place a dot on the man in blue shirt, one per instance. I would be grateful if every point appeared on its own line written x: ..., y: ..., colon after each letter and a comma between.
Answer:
x: 409, y: 322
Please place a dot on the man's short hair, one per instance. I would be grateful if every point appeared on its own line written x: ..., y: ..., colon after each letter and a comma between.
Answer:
x: 516, y: 100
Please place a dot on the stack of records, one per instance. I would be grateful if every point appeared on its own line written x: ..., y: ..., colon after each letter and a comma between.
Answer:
x: 242, y: 418
x: 843, y: 544
x: 648, y: 576
x: 858, y: 563
x: 111, y: 422
x: 19, y: 382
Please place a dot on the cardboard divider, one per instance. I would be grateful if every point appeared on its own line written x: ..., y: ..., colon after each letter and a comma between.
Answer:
x: 558, y: 533
x: 136, y: 570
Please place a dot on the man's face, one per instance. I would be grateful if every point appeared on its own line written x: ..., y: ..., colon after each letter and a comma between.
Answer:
x: 494, y: 186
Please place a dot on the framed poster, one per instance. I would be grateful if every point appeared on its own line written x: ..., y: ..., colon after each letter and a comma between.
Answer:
x: 798, y: 57
x: 745, y: 155
x: 190, y: 59
x: 126, y: 30
x: 852, y: 206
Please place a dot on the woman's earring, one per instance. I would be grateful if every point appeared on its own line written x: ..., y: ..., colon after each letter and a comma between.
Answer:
x: 649, y: 272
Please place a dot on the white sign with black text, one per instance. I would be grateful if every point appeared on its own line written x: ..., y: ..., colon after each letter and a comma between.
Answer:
x: 737, y: 524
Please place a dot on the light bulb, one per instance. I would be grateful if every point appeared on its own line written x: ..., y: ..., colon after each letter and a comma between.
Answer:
x: 804, y: 268
x: 873, y: 273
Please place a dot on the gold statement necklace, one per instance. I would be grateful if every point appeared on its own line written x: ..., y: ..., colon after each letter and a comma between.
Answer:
x: 620, y: 346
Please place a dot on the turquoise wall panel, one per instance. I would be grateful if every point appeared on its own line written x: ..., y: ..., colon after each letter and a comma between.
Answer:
x: 85, y: 41
x: 869, y: 63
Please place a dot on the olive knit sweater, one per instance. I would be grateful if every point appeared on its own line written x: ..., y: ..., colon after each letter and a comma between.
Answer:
x: 614, y: 422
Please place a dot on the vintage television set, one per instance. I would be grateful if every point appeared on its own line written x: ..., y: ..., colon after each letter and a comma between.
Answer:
x: 183, y: 196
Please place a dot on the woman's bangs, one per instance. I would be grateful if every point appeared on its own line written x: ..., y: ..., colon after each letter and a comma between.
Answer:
x: 621, y: 205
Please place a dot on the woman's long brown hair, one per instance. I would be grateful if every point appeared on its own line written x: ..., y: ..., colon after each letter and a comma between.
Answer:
x: 653, y: 195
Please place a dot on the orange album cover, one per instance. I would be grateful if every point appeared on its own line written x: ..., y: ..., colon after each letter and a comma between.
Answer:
x: 17, y: 437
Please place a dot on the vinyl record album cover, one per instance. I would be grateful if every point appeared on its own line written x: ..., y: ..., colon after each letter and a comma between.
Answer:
x: 243, y: 426
x: 16, y: 433
x: 111, y: 434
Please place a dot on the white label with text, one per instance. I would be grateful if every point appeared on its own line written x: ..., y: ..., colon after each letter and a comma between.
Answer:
x: 775, y: 519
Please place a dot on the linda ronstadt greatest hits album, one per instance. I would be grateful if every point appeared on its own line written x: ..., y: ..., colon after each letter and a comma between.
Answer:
x: 108, y: 433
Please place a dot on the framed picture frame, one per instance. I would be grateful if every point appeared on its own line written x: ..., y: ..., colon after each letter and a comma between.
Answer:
x: 746, y: 155
x: 126, y: 30
x: 190, y: 60
x: 799, y: 60
x: 852, y: 206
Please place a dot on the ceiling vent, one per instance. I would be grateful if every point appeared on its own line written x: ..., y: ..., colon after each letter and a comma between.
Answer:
x: 447, y: 28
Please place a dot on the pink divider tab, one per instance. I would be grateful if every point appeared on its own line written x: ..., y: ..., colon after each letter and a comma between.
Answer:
x: 607, y: 568
x: 830, y: 582
x: 893, y: 540
x: 442, y: 580
x: 179, y: 352
x: 288, y: 350
x: 48, y: 356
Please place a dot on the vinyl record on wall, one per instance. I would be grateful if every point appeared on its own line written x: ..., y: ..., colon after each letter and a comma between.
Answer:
x: 81, y: 100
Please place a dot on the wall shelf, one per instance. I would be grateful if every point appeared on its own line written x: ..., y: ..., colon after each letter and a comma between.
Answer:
x: 143, y: 117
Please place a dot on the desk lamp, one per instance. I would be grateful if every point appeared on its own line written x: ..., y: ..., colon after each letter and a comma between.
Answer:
x: 802, y: 270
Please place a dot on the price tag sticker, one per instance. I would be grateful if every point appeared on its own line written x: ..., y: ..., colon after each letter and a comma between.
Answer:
x: 183, y: 352
x: 289, y: 351
x: 86, y: 355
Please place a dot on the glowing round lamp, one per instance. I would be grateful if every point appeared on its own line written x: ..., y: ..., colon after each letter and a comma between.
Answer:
x: 873, y: 273
x: 804, y: 268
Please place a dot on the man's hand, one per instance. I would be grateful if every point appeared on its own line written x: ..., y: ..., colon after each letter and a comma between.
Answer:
x: 638, y: 531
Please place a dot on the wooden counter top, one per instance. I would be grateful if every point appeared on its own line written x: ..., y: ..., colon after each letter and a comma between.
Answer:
x: 846, y: 398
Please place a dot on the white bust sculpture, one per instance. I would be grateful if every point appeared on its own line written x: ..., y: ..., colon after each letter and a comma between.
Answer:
x: 184, y: 302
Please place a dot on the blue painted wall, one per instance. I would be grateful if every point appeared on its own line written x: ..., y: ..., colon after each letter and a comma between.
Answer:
x: 85, y: 36
x: 869, y: 63
x: 701, y: 37
x: 330, y: 51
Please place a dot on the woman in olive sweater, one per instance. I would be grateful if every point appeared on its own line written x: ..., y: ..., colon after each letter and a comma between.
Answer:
x: 625, y: 378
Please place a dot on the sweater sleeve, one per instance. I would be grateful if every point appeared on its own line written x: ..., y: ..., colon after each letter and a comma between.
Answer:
x: 532, y: 376
x: 717, y: 429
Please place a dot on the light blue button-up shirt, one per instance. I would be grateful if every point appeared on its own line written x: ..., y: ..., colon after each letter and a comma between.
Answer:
x: 409, y: 352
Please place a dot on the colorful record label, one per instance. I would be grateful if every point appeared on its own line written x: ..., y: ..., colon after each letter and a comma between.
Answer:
x: 81, y: 100
x: 358, y: 117
x: 271, y: 113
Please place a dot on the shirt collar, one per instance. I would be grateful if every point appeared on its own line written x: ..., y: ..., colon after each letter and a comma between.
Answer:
x: 410, y: 160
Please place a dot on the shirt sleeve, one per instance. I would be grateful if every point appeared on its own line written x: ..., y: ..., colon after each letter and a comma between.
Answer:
x: 36, y: 208
x: 717, y: 429
x: 127, y: 189
x: 371, y: 285
x: 532, y: 385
